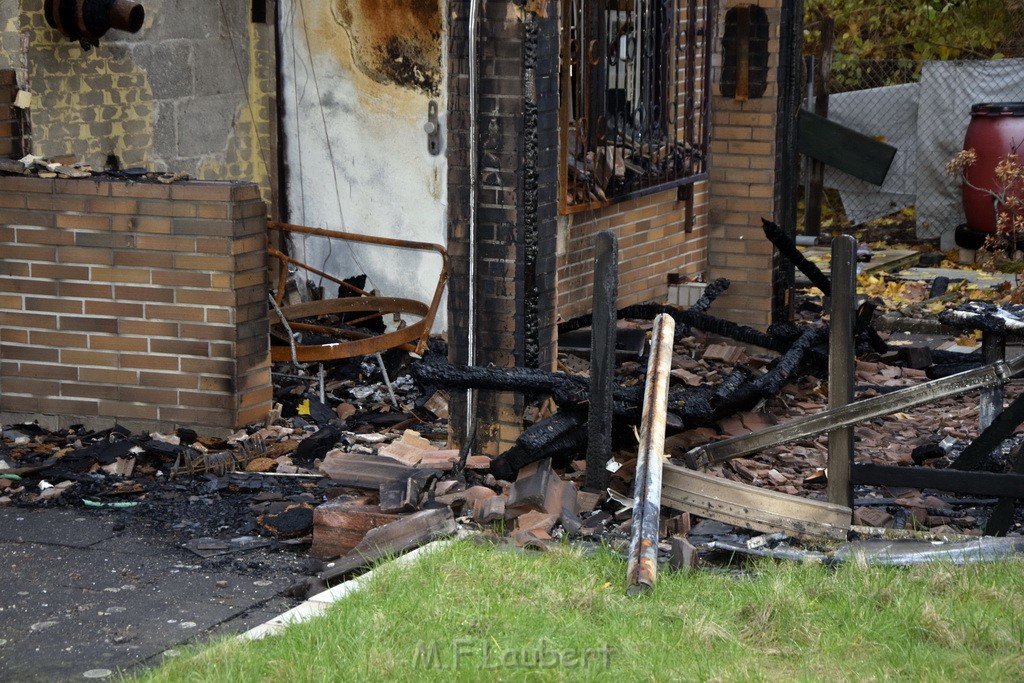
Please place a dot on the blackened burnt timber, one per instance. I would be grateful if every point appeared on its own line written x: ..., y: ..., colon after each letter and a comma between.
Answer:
x: 789, y: 250
x: 781, y: 241
x: 695, y: 317
x: 561, y: 434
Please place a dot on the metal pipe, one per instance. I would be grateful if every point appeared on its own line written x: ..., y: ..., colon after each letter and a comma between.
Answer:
x: 474, y: 11
x: 642, y: 570
x: 287, y: 328
x: 387, y: 380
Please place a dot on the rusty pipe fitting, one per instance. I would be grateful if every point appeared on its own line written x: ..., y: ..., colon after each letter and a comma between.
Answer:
x: 88, y: 20
x: 126, y: 15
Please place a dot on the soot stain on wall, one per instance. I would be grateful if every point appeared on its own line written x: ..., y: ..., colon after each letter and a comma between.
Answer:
x: 395, y: 41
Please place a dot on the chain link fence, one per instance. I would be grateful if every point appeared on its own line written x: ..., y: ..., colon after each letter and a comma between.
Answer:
x: 922, y: 108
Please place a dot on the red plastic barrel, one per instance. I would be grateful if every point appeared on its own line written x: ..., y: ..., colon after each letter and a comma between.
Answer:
x: 995, y: 128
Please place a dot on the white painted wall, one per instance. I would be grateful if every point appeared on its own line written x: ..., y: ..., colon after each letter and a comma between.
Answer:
x: 357, y: 158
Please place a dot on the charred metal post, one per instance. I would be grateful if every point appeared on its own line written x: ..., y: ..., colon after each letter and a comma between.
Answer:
x: 642, y: 570
x: 993, y: 348
x: 841, y: 366
x: 602, y: 361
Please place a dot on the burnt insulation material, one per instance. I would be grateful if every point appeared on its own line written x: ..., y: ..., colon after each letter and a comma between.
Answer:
x: 985, y: 316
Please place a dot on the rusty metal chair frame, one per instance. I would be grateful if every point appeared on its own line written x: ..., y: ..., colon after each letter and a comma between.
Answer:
x: 413, y: 337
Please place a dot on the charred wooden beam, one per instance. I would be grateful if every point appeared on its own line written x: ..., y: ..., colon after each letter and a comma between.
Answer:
x: 979, y: 450
x: 1009, y: 485
x: 841, y: 362
x: 789, y: 250
x: 712, y: 291
x: 1002, y: 516
x: 558, y: 435
x: 564, y: 389
x: 707, y: 323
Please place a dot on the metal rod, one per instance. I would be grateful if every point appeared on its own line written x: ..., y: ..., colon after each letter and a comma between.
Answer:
x: 841, y: 365
x: 642, y: 569
x: 993, y: 348
x: 851, y: 414
x: 287, y: 328
x: 321, y: 379
x: 387, y: 380
x: 470, y: 426
x: 602, y: 357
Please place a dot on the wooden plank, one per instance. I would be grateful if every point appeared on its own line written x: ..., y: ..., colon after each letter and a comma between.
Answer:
x: 750, y: 507
x: 1005, y: 484
x: 844, y: 148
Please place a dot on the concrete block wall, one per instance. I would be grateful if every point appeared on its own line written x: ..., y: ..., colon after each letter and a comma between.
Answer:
x: 742, y: 189
x: 192, y: 91
x: 138, y: 303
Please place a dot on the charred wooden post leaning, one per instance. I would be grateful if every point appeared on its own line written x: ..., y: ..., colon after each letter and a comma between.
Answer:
x: 789, y: 250
x: 602, y: 362
x: 841, y: 362
x: 642, y: 569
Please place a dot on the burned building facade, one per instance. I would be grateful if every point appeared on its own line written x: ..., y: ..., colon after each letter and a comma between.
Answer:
x: 510, y: 132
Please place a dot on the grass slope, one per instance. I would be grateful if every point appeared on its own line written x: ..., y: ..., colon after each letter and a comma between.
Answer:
x: 470, y: 613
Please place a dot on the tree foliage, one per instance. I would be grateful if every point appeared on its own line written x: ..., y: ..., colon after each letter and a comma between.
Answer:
x: 906, y: 33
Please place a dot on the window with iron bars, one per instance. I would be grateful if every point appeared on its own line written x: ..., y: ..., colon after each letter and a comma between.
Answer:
x: 634, y: 98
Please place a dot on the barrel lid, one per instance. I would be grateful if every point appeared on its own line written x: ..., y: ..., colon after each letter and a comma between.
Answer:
x: 998, y: 108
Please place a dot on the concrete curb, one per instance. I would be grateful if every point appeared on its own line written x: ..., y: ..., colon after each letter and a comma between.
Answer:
x: 318, y: 604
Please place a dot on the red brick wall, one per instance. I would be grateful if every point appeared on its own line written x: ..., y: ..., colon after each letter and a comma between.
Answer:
x: 141, y: 303
x: 653, y: 243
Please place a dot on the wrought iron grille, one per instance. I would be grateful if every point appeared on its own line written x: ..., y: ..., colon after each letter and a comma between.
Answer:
x: 634, y: 98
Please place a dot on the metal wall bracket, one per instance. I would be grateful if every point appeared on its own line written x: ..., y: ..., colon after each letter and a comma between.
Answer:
x: 433, y: 129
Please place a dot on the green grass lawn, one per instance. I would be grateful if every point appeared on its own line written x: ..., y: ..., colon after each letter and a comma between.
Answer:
x: 472, y: 613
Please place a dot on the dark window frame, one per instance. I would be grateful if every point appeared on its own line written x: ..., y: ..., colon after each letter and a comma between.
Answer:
x: 652, y: 61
